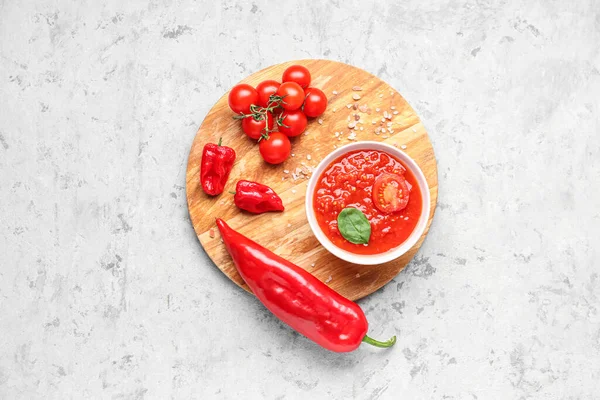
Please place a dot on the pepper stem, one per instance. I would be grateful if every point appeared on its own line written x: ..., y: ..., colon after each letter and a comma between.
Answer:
x: 231, y: 191
x: 377, y: 343
x: 220, y: 141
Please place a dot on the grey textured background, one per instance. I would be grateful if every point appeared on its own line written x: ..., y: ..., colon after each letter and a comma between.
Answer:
x: 105, y: 291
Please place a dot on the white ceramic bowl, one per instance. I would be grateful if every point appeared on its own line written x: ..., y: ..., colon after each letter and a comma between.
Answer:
x: 369, y: 259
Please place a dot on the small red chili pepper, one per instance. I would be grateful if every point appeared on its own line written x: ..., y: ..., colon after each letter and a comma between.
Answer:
x: 298, y: 298
x: 217, y: 162
x: 256, y: 197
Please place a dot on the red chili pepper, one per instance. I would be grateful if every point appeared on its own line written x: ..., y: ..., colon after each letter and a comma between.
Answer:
x: 217, y: 162
x: 298, y: 298
x: 256, y: 197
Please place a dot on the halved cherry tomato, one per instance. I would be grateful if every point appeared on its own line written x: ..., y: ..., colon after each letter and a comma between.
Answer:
x: 298, y: 74
x: 315, y: 102
x: 241, y: 97
x: 292, y: 95
x: 265, y: 89
x: 390, y: 193
x: 276, y: 149
x: 255, y: 128
x: 293, y: 123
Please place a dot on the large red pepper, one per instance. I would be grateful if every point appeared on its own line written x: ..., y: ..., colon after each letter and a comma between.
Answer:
x: 298, y: 298
x: 256, y: 198
x: 217, y: 162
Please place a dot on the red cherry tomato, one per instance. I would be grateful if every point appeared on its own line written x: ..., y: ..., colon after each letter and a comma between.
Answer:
x: 276, y: 149
x: 298, y: 74
x: 315, y: 102
x: 265, y: 89
x: 255, y: 128
x: 241, y: 97
x: 292, y: 95
x: 390, y: 193
x: 293, y: 123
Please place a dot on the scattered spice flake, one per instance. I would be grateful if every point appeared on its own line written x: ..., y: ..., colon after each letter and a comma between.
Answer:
x: 352, y: 136
x: 389, y: 124
x: 395, y: 113
x: 335, y: 92
x: 356, y: 117
x: 403, y: 147
x: 355, y: 106
x: 348, y: 105
x: 356, y: 88
x: 334, y: 110
x: 373, y: 122
x: 391, y: 93
x: 337, y: 134
x: 308, y: 157
x: 329, y: 279
x: 414, y: 130
x: 381, y: 95
x: 335, y: 146
x: 286, y: 171
x: 312, y: 265
x: 378, y: 109
x: 356, y: 96
x: 352, y: 125
x: 361, y: 128
x: 307, y: 170
x: 293, y: 155
x: 358, y: 275
x: 294, y: 191
x: 393, y: 107
x: 363, y: 108
x: 406, y: 218
x: 289, y: 225
x: 211, y: 233
x: 385, y: 136
x: 320, y: 121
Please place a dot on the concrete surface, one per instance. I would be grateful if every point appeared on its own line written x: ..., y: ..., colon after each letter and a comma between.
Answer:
x: 105, y: 291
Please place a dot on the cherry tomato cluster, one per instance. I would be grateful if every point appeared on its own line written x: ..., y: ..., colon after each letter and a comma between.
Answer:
x: 273, y: 112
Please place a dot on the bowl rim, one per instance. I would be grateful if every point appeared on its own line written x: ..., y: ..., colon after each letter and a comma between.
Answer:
x: 369, y: 259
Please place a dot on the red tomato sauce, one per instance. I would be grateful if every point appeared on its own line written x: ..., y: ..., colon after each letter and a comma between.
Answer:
x: 348, y: 182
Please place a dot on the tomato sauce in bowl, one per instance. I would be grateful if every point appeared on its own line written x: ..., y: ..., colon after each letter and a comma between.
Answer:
x: 348, y: 182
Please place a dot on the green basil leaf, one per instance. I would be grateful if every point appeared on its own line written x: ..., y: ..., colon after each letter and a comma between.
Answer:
x: 354, y: 226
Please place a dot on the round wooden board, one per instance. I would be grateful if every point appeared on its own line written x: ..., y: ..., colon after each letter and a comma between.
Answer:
x: 288, y: 234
